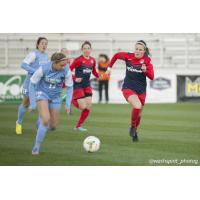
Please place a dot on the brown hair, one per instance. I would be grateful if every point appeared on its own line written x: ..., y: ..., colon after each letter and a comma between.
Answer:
x: 58, y: 57
x: 143, y: 43
x: 86, y: 43
x: 39, y: 40
x: 104, y: 56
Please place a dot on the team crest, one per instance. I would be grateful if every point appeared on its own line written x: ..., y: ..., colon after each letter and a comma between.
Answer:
x: 142, y: 61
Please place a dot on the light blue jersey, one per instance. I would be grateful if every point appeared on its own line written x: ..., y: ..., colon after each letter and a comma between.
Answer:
x: 31, y: 63
x: 48, y: 84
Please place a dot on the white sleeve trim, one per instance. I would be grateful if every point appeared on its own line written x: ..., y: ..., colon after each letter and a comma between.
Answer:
x: 68, y: 79
x: 37, y: 76
x: 30, y: 58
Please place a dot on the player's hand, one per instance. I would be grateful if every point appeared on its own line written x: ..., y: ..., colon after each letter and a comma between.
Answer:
x: 67, y: 110
x: 78, y: 80
x: 108, y: 72
x: 144, y: 68
x: 31, y: 108
x: 100, y: 76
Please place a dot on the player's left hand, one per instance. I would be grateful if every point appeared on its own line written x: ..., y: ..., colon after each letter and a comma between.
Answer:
x: 108, y: 72
x: 67, y: 110
x: 144, y: 68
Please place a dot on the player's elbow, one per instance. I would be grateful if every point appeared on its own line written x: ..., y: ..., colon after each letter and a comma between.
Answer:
x: 23, y: 65
x: 151, y: 77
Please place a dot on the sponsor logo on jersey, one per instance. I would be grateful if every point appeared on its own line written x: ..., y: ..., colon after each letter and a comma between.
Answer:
x: 87, y: 71
x: 142, y: 61
x: 52, y: 80
x: 132, y: 69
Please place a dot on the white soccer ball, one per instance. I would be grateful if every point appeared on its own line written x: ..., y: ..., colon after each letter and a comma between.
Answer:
x: 91, y: 144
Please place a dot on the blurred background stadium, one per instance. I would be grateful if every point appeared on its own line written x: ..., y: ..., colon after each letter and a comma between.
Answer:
x: 176, y: 59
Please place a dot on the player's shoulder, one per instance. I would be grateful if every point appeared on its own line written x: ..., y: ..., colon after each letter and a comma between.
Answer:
x: 32, y: 53
x: 79, y: 58
x: 31, y: 56
x: 147, y: 59
x: 66, y: 69
x: 129, y: 53
x: 92, y: 60
x: 36, y: 52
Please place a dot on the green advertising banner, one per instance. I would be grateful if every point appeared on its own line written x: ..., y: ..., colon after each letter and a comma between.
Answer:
x: 11, y: 88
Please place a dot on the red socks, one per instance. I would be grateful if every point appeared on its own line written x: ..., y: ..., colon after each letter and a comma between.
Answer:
x: 135, y: 117
x: 138, y: 121
x: 83, y: 117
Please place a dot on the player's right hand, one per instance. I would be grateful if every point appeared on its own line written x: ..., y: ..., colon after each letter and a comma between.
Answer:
x: 78, y: 80
x: 108, y: 73
x: 31, y: 108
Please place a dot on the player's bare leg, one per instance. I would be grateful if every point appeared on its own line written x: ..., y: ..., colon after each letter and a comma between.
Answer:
x: 54, y: 119
x: 43, y: 109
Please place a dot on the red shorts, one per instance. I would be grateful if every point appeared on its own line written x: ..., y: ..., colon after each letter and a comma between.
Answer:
x: 82, y: 92
x: 128, y: 92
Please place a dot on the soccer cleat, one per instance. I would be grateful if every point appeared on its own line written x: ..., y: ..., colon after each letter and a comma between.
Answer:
x: 18, y: 128
x: 133, y: 134
x: 35, y: 151
x: 80, y: 129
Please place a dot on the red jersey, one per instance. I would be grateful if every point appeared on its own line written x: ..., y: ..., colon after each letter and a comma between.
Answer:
x: 83, y: 69
x: 135, y: 78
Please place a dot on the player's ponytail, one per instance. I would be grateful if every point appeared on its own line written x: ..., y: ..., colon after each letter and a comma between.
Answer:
x: 58, y: 57
x: 147, y: 51
x: 39, y: 40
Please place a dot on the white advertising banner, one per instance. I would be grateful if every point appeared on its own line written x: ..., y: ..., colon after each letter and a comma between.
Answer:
x: 163, y: 89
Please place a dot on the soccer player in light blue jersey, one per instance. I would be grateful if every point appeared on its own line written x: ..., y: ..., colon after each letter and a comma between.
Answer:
x: 45, y: 89
x: 31, y: 63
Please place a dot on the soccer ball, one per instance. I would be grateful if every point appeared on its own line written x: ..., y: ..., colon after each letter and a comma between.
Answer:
x: 91, y: 144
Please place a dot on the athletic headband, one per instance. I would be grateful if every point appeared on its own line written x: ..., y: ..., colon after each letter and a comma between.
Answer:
x: 142, y: 44
x: 60, y: 60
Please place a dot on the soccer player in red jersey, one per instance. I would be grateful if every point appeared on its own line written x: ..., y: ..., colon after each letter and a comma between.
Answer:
x: 82, y: 94
x: 138, y: 67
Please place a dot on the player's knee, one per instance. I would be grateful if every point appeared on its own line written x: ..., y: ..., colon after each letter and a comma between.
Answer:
x: 89, y: 106
x: 137, y: 105
x: 83, y: 106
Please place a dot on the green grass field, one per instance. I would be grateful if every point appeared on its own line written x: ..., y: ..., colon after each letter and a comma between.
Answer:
x: 167, y: 132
